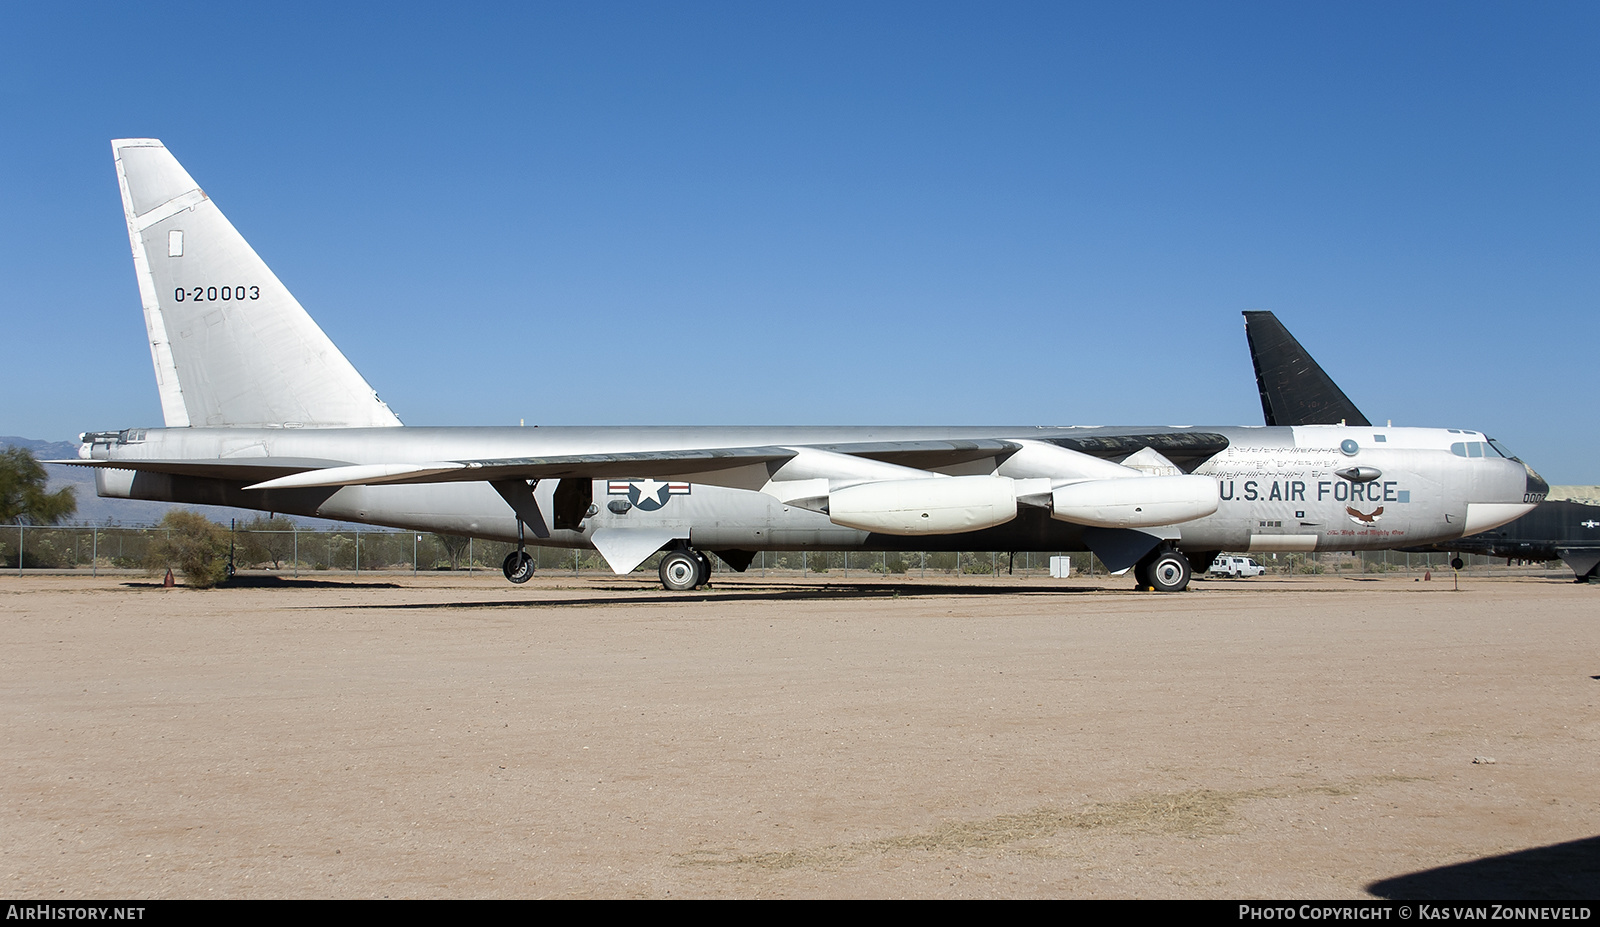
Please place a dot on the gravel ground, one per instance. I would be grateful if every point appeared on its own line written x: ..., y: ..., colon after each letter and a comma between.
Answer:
x: 452, y: 736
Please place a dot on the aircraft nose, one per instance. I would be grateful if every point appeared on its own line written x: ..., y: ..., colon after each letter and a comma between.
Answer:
x: 1537, y: 488
x: 1509, y: 490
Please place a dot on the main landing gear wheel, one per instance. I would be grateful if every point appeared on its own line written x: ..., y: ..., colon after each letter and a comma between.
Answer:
x: 1141, y: 575
x: 704, y: 576
x: 680, y: 570
x: 518, y: 566
x: 1169, y: 571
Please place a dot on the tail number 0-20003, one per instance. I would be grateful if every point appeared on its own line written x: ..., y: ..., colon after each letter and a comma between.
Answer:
x: 211, y: 294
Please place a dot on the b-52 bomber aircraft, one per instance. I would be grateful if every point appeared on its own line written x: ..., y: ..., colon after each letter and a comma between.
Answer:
x: 262, y: 411
x: 1555, y: 530
x: 1296, y: 391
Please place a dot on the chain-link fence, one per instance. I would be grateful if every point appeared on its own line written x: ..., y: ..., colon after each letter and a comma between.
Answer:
x: 296, y: 550
x: 291, y: 549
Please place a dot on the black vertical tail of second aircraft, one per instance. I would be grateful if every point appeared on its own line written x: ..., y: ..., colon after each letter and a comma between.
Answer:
x: 1294, y: 389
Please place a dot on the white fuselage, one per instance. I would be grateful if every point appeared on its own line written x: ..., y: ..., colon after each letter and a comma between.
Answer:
x: 1278, y: 489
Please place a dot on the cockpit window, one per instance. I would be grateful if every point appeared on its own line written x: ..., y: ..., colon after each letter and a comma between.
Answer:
x: 1498, y: 448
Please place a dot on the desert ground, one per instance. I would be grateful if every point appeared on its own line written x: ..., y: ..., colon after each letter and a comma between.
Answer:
x: 450, y: 736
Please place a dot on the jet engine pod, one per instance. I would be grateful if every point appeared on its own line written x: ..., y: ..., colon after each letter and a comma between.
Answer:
x: 944, y: 505
x: 1136, y: 502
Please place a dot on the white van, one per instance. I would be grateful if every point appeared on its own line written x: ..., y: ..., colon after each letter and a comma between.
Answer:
x: 1225, y: 565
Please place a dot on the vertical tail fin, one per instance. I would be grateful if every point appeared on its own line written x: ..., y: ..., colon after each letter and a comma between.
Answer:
x: 231, y: 345
x: 1294, y: 389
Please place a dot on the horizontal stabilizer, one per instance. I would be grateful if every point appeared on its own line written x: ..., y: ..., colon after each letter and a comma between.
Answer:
x: 1294, y: 389
x: 233, y: 469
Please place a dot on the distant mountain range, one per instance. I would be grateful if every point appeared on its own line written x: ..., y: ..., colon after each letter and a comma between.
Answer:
x: 93, y: 510
x: 44, y: 450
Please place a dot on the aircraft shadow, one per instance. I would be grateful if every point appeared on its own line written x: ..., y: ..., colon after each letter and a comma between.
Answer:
x: 1560, y: 871
x: 279, y: 582
x: 749, y: 593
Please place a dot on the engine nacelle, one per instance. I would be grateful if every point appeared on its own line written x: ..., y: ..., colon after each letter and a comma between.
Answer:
x: 946, y: 505
x: 1137, y: 502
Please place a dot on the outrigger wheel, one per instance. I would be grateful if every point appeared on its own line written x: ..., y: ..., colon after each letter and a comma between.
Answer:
x: 518, y: 566
x: 681, y: 570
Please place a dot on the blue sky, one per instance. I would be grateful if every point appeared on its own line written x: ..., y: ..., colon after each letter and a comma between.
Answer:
x: 838, y: 213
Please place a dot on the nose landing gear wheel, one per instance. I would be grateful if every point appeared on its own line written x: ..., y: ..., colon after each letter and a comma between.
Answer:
x: 680, y: 571
x: 518, y: 566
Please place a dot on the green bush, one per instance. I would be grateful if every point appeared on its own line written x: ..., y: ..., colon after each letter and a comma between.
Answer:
x: 972, y: 564
x: 193, y: 545
x: 38, y: 554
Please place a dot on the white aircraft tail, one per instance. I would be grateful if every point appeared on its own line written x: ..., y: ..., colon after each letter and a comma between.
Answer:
x: 231, y: 345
